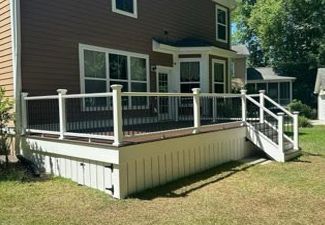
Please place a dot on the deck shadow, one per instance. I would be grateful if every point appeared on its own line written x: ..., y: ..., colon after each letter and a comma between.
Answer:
x: 183, y: 187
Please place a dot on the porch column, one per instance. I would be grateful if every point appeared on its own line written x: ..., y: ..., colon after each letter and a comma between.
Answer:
x: 262, y: 103
x: 280, y: 132
x: 196, y: 110
x: 291, y: 90
x: 62, y: 112
x: 295, y: 130
x: 117, y: 115
x: 244, y: 104
x: 23, y: 113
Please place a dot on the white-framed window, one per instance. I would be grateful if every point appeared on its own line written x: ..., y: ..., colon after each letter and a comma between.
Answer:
x: 222, y: 24
x: 102, y: 67
x: 219, y: 71
x: 126, y: 7
x: 189, y: 75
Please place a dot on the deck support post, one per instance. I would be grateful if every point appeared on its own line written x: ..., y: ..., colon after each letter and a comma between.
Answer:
x: 117, y: 114
x: 280, y: 132
x: 262, y: 103
x: 295, y: 130
x: 244, y: 104
x: 23, y: 113
x: 196, y: 110
x: 62, y: 112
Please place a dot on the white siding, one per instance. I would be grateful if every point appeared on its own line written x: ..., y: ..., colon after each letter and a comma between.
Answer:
x: 139, y: 167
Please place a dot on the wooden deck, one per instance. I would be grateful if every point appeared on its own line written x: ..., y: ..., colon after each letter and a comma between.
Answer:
x: 140, y: 137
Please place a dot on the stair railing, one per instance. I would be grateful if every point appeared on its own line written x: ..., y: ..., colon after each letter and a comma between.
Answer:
x: 286, y: 114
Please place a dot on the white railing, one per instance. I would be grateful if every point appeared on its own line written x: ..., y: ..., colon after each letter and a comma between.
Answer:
x: 111, y: 116
x: 106, y: 116
x: 282, y: 116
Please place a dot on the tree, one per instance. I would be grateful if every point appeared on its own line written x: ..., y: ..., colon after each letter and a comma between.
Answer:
x: 291, y: 36
x: 245, y: 35
x: 5, y: 117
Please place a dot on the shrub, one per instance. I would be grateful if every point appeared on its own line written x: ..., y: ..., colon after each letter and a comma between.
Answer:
x: 5, y: 117
x: 303, y: 109
x: 304, y: 122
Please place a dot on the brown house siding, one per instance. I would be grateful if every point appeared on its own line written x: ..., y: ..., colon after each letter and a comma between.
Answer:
x: 6, y: 72
x: 51, y: 33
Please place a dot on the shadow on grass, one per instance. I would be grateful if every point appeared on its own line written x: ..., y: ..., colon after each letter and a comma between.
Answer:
x: 183, y: 187
x: 19, y: 173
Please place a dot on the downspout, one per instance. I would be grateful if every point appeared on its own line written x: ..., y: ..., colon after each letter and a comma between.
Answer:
x: 16, y: 62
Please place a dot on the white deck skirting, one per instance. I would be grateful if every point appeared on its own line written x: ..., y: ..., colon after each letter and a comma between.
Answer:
x: 130, y: 169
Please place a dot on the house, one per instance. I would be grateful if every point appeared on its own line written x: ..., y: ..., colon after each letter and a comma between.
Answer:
x: 279, y: 88
x: 320, y: 92
x: 126, y: 95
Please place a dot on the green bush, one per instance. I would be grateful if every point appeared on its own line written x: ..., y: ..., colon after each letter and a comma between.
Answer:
x: 304, y: 122
x: 303, y: 109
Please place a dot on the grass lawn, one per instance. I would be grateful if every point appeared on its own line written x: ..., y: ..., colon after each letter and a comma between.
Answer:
x: 275, y: 193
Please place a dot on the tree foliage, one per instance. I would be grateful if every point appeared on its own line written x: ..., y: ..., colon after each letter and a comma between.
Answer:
x: 291, y: 35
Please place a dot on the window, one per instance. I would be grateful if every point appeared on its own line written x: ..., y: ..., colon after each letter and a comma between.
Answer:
x: 273, y: 91
x: 125, y: 7
x: 219, y: 76
x: 101, y: 68
x: 222, y: 24
x: 190, y: 76
x: 284, y: 93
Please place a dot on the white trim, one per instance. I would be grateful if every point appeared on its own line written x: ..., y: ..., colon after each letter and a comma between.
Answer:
x: 133, y: 15
x: 231, y: 4
x: 107, y: 51
x: 223, y: 62
x: 218, y: 7
x: 210, y: 50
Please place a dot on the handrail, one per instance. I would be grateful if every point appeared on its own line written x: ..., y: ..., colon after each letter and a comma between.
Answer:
x: 265, y: 109
x: 278, y: 106
x: 155, y: 94
x: 42, y: 97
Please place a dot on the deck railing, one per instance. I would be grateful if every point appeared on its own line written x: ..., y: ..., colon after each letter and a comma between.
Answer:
x: 116, y: 115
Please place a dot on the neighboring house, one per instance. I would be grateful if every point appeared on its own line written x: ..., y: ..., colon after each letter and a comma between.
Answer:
x: 126, y: 95
x: 320, y: 92
x: 279, y: 88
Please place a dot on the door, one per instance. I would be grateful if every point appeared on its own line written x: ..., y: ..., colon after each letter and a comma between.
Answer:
x: 163, y: 103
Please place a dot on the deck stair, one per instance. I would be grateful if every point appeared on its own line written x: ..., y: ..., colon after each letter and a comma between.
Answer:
x: 275, y: 134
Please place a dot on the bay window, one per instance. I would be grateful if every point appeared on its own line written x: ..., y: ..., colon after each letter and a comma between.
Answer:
x: 190, y: 76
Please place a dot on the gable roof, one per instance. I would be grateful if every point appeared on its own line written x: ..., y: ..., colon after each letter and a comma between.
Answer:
x: 320, y: 81
x: 265, y: 74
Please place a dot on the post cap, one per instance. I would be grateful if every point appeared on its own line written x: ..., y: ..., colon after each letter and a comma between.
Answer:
x: 117, y: 87
x: 62, y: 91
x: 196, y: 90
x: 243, y: 91
x: 24, y: 94
x: 262, y: 91
x: 295, y: 113
x: 280, y: 114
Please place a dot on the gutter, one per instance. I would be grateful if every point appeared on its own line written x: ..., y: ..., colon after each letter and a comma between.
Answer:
x: 16, y: 45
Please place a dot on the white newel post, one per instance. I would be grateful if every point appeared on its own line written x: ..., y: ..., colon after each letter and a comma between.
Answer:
x: 296, y: 130
x: 117, y: 115
x: 280, y: 131
x: 262, y: 103
x: 62, y: 112
x: 196, y: 110
x: 244, y: 104
x: 23, y: 113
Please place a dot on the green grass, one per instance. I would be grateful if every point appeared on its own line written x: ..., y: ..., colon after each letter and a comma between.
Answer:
x: 275, y: 193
